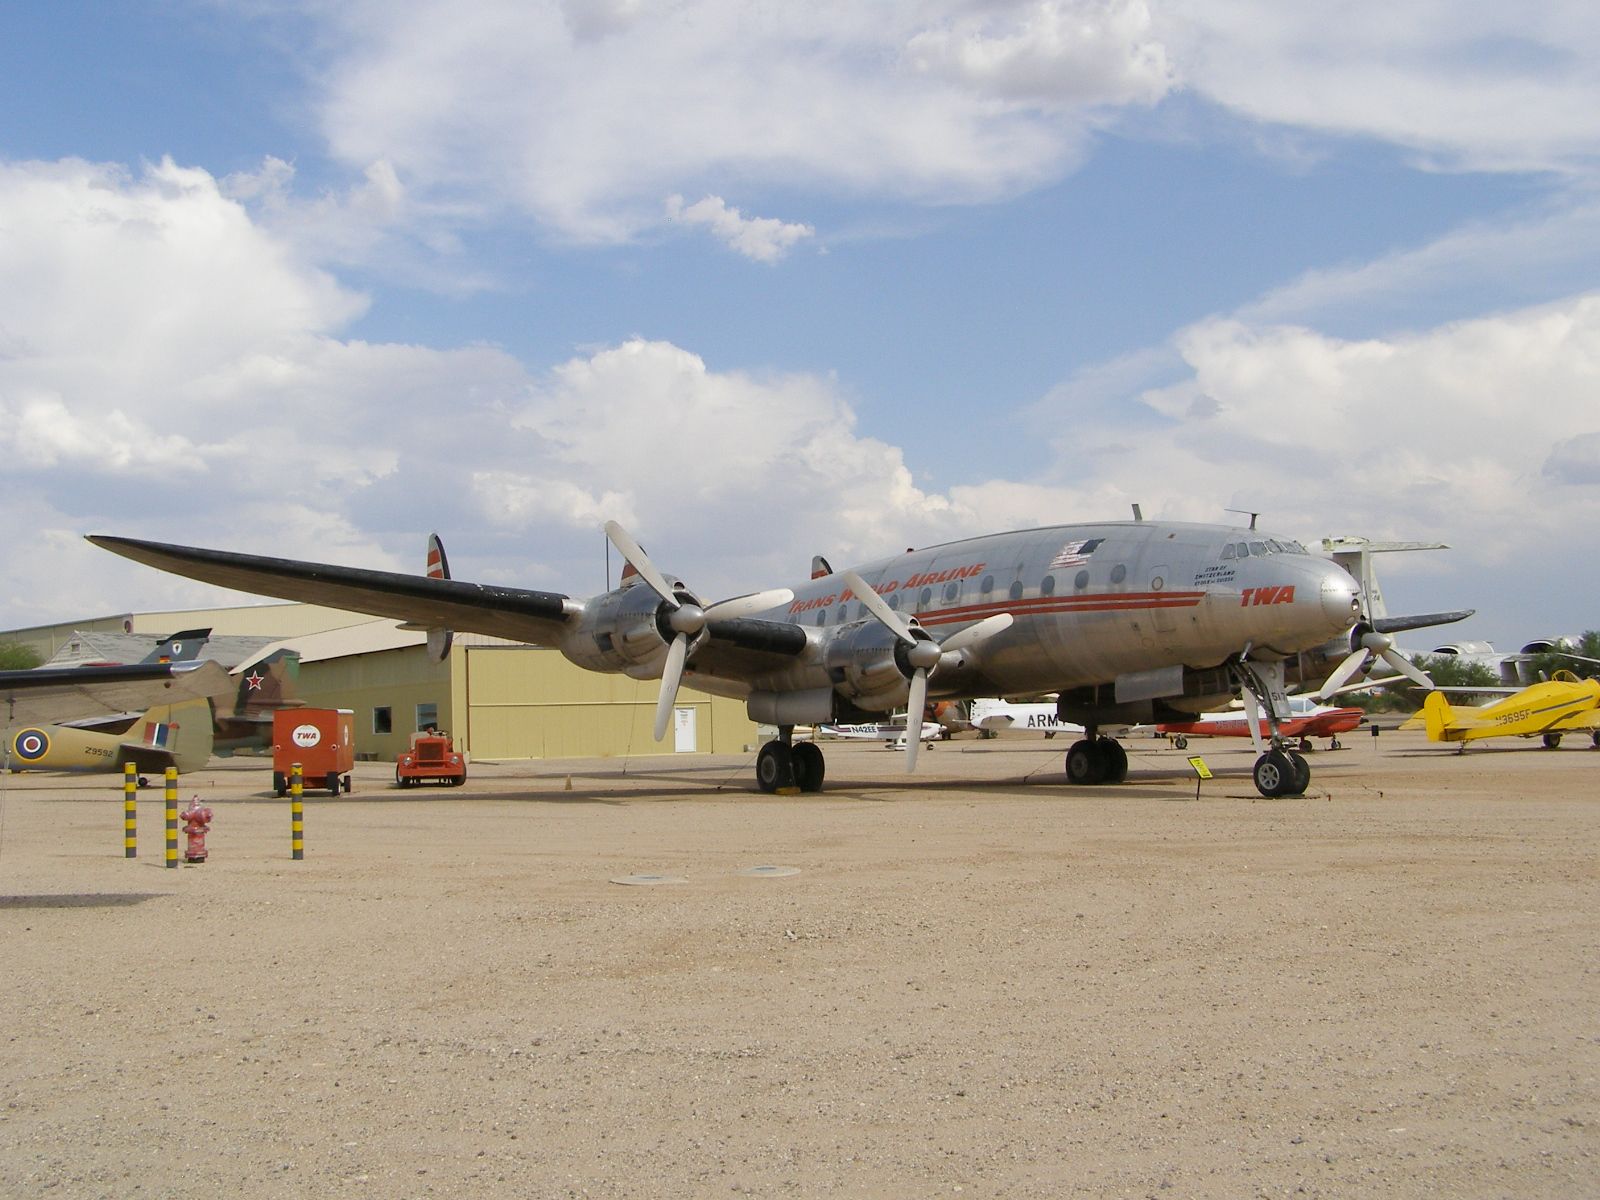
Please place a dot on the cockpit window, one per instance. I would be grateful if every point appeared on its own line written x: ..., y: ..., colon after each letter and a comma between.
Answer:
x: 1229, y: 552
x: 1242, y: 549
x: 1258, y: 548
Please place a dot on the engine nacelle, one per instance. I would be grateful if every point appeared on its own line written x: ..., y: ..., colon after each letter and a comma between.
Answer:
x: 622, y: 631
x: 867, y: 668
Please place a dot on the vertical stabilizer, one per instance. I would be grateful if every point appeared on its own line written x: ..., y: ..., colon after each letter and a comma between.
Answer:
x: 178, y: 735
x: 1438, y: 717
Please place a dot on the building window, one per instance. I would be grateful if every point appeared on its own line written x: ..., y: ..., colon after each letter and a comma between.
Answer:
x: 382, y: 720
x: 427, y: 716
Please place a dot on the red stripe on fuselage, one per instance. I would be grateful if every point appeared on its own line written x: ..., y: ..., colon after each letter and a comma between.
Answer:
x: 1050, y: 605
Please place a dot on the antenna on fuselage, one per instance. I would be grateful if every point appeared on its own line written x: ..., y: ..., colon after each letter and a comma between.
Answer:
x: 1138, y: 513
x: 1245, y: 512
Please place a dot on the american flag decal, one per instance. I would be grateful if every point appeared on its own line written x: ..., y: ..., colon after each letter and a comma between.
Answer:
x: 1075, y: 554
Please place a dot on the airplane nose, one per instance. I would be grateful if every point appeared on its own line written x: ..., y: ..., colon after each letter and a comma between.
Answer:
x: 1340, y: 599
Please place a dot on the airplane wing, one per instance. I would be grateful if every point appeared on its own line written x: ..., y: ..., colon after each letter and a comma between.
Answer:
x: 52, y: 695
x: 514, y: 613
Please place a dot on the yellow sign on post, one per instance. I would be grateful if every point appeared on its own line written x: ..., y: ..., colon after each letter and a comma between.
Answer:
x: 1200, y: 768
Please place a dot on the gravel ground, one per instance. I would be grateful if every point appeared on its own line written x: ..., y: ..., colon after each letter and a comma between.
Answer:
x: 979, y: 982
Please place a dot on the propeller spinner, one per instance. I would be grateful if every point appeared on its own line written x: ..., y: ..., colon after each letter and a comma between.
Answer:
x: 683, y: 617
x: 920, y: 653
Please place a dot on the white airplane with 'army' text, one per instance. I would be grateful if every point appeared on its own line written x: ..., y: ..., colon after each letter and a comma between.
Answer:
x: 1127, y: 622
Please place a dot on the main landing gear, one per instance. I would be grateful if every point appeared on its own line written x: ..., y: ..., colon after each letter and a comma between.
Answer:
x: 1097, y: 759
x: 785, y: 763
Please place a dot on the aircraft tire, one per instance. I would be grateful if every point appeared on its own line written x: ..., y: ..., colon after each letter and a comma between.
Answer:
x: 1181, y: 742
x: 1302, y: 774
x: 280, y: 783
x: 1116, y: 759
x: 809, y: 766
x: 774, y: 767
x: 1335, y: 744
x: 1552, y: 741
x: 1594, y: 739
x: 1274, y: 773
x: 1305, y: 744
x: 1086, y: 763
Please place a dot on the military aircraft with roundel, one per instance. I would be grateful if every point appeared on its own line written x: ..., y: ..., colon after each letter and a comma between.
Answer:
x: 166, y: 721
x: 1127, y: 622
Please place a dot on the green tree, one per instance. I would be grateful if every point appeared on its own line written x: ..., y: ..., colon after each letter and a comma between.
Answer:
x: 1446, y: 670
x: 1587, y: 647
x: 14, y: 656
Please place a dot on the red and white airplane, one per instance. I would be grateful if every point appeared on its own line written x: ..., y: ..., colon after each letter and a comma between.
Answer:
x: 1129, y: 622
x: 1307, y: 720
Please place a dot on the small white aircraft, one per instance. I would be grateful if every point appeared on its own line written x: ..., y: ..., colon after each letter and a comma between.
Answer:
x: 891, y: 732
x: 993, y: 716
x: 1128, y: 622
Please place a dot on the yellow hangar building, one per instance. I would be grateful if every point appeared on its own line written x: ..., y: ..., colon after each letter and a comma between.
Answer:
x: 497, y: 699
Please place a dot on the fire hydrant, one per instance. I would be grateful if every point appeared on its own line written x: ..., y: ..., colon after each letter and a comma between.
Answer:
x: 196, y: 821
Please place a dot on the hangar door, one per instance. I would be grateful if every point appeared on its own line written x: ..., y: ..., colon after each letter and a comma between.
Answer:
x: 529, y: 702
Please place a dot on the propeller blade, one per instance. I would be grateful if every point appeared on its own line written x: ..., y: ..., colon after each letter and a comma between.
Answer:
x: 743, y: 606
x: 640, y: 561
x: 1252, y: 712
x: 671, y: 676
x: 1342, y: 673
x: 915, y: 707
x: 973, y: 634
x: 1406, y: 667
x: 877, y: 607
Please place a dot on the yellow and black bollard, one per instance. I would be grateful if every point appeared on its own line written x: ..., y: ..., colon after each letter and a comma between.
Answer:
x: 172, y: 817
x: 130, y: 811
x: 297, y: 813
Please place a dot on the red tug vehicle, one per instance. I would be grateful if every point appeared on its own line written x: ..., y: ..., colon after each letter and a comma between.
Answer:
x: 431, y: 759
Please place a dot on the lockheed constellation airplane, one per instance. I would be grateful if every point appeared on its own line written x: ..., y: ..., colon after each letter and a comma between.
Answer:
x: 1127, y: 622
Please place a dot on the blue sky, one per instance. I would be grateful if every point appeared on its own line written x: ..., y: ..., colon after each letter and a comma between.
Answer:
x: 766, y: 281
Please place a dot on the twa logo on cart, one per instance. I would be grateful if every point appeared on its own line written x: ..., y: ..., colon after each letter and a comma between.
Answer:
x: 306, y: 736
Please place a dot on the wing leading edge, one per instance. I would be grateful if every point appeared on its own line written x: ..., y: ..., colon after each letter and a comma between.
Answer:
x: 515, y: 613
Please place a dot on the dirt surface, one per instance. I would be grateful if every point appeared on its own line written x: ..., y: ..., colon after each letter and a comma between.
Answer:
x: 980, y: 981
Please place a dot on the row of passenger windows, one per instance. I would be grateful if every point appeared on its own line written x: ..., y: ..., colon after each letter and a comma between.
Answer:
x: 952, y: 592
x: 1261, y: 548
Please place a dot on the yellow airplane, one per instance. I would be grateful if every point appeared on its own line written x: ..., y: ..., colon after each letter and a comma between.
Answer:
x: 177, y: 732
x: 1561, y: 704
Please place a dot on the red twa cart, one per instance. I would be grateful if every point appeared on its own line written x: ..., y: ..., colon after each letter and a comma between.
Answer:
x: 321, y: 740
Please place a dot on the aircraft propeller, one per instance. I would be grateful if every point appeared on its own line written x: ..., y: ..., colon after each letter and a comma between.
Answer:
x: 922, y: 653
x: 1369, y: 645
x: 685, y: 618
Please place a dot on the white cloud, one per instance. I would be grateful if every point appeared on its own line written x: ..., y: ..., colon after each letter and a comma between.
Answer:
x: 584, y: 114
x: 215, y: 404
x: 763, y: 239
x: 1478, y: 85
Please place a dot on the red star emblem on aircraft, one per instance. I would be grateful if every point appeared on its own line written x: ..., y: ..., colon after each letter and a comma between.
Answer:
x: 255, y: 679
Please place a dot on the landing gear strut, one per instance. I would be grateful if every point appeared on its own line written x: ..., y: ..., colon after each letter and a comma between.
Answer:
x: 785, y: 764
x: 1279, y: 771
x: 1097, y: 759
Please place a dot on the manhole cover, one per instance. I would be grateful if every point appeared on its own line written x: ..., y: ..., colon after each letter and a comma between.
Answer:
x: 648, y: 880
x: 769, y: 872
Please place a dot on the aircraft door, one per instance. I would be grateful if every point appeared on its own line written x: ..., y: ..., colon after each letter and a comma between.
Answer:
x: 684, y: 731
